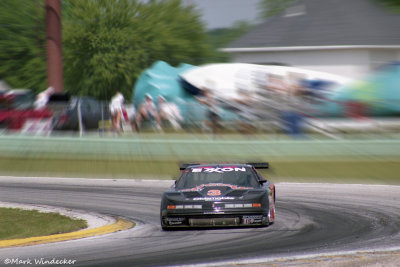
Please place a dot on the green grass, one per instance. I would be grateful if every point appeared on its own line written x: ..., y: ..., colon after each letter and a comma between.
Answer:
x: 373, y: 170
x: 100, y: 168
x: 356, y: 160
x: 18, y: 223
x: 337, y: 170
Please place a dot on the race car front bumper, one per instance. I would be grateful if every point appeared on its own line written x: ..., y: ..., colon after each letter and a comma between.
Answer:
x: 211, y: 220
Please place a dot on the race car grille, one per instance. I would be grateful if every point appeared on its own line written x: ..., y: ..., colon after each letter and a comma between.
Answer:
x: 214, y: 221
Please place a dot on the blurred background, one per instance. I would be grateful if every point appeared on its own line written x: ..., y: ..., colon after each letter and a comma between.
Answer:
x: 130, y: 88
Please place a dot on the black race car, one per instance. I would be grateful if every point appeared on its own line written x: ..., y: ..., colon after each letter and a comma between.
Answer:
x: 218, y: 195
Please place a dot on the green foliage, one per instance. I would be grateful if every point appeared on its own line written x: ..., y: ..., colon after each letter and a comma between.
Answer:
x: 393, y: 5
x: 270, y: 8
x: 22, y: 44
x: 219, y: 38
x: 107, y: 44
x: 99, y: 53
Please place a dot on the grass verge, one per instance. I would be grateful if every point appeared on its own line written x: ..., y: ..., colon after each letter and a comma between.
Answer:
x: 372, y: 170
x: 18, y: 223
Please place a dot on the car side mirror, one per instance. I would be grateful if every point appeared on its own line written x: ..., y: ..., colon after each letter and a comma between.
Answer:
x: 263, y: 181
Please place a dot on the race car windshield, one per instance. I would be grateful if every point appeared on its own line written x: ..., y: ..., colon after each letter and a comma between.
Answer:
x: 226, y: 175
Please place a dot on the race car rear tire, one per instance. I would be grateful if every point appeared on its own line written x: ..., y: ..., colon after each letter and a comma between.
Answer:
x: 271, y: 216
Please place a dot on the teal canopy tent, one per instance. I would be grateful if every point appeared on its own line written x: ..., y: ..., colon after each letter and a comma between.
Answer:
x: 162, y: 79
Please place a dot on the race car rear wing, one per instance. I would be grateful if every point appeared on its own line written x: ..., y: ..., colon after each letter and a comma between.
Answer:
x: 257, y: 165
x: 183, y: 166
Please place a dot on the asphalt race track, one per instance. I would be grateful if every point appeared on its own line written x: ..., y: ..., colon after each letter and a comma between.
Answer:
x: 310, y: 219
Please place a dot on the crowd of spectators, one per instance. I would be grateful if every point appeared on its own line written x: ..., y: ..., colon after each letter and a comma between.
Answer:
x: 156, y: 113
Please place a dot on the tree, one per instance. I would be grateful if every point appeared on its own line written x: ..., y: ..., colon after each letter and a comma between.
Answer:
x: 23, y: 44
x: 393, y: 5
x: 270, y: 8
x: 107, y: 44
x: 219, y: 38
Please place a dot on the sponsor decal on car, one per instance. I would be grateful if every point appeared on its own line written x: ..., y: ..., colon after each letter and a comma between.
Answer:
x: 214, y: 212
x: 218, y: 169
x: 202, y: 186
x: 175, y: 221
x: 252, y: 219
x: 214, y: 192
x: 213, y: 198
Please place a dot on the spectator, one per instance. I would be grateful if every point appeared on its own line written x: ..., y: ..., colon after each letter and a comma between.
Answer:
x: 209, y: 101
x: 131, y: 116
x: 245, y: 110
x: 116, y: 110
x: 43, y: 97
x: 148, y: 111
x: 170, y: 112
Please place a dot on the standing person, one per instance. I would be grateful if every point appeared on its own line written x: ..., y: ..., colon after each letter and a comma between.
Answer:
x: 245, y: 104
x: 131, y: 116
x: 43, y: 97
x: 209, y: 101
x: 148, y: 111
x: 169, y: 112
x: 116, y: 109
